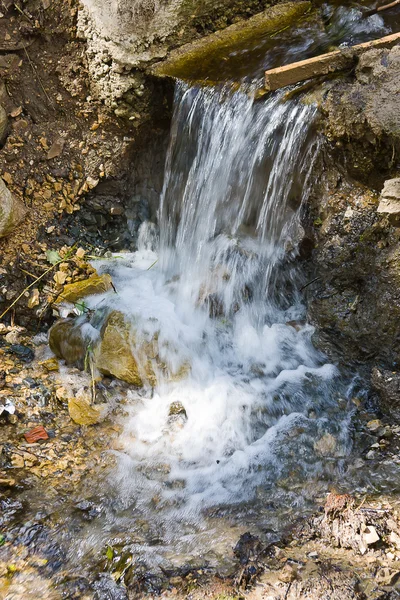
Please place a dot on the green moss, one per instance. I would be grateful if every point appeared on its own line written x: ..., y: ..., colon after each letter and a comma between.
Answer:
x: 203, y: 59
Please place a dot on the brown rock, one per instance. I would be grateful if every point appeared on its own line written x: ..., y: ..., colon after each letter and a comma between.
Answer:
x: 36, y: 434
x: 82, y: 412
x: 56, y: 148
x: 66, y: 341
x: 288, y: 573
x: 51, y: 364
x: 114, y: 356
x: 96, y: 284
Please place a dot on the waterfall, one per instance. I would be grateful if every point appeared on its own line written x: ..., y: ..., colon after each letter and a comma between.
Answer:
x: 254, y: 404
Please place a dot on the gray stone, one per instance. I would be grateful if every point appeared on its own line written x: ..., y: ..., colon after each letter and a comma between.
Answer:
x: 12, y: 211
x: 3, y: 124
x: 390, y: 197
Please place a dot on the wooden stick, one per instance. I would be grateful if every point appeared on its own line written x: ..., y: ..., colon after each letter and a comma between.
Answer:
x: 323, y: 64
x: 379, y: 9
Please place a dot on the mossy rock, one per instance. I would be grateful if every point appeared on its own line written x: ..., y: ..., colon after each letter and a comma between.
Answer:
x: 66, y: 342
x: 96, y: 284
x: 202, y: 59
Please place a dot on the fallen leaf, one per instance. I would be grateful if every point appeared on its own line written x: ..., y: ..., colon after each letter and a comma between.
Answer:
x: 53, y: 257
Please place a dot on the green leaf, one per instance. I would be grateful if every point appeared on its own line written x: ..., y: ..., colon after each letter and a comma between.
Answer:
x: 53, y: 257
x: 109, y: 553
x: 2, y: 540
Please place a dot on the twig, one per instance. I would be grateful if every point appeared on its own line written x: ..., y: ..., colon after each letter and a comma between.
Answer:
x: 379, y: 9
x: 151, y: 266
x: 31, y: 285
x: 309, y: 283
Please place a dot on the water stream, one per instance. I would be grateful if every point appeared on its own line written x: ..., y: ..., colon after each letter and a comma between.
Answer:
x: 247, y: 422
x: 256, y: 412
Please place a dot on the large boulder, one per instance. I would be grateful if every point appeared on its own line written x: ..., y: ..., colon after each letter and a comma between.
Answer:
x: 114, y: 354
x: 116, y: 349
x: 66, y: 341
x: 12, y: 211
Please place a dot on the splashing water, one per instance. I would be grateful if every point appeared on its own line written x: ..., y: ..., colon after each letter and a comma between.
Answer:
x: 253, y: 404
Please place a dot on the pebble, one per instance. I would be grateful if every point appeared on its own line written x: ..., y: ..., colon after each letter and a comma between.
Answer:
x: 374, y: 425
x: 370, y: 535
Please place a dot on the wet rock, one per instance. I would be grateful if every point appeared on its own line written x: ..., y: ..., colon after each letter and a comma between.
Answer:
x: 248, y: 548
x: 3, y: 124
x: 113, y: 355
x: 51, y: 364
x: 97, y: 284
x: 82, y: 411
x: 24, y: 353
x: 326, y: 446
x: 387, y: 384
x: 12, y: 211
x: 176, y: 409
x: 67, y: 342
x: 375, y: 425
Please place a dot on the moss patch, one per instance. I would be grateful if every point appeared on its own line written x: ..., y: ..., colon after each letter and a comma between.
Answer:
x: 202, y: 59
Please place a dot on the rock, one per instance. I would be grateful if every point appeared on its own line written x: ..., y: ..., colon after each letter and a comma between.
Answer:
x: 326, y: 446
x: 56, y: 148
x: 390, y: 198
x: 82, y: 412
x: 198, y: 60
x: 3, y: 124
x: 113, y: 356
x: 374, y: 425
x: 7, y: 482
x: 24, y: 353
x: 387, y: 384
x: 394, y: 539
x: 96, y: 284
x: 370, y: 455
x: 6, y: 407
x: 51, y: 364
x: 36, y: 434
x: 12, y: 211
x: 177, y: 408
x: 370, y: 535
x: 288, y: 573
x: 66, y: 342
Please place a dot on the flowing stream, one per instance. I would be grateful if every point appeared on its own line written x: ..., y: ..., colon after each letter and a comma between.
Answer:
x: 247, y: 422
x: 253, y: 408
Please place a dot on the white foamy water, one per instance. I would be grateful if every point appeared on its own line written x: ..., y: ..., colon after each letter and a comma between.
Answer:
x: 217, y: 287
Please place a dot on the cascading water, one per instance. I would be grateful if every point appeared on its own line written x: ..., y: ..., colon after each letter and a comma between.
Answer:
x: 243, y: 402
